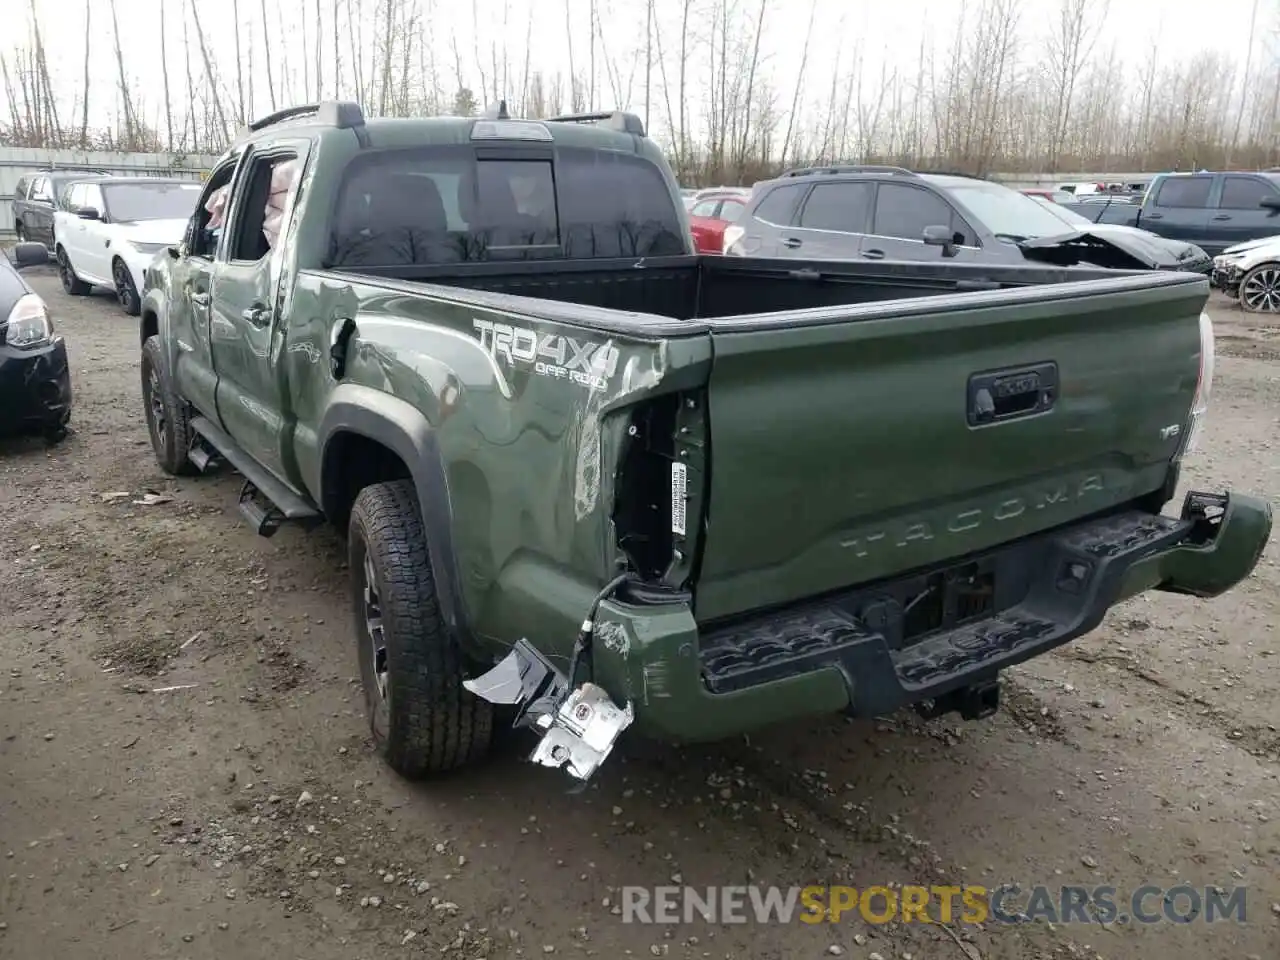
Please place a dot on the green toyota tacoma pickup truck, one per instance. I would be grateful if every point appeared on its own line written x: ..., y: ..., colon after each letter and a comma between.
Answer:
x: 591, y: 481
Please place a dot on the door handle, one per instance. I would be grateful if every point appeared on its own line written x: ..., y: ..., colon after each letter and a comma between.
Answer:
x: 1153, y: 216
x: 873, y: 254
x: 200, y: 299
x: 791, y: 242
x: 257, y: 315
x: 1223, y: 216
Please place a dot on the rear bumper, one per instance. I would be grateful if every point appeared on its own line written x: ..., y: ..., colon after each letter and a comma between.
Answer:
x: 35, y: 388
x: 819, y: 658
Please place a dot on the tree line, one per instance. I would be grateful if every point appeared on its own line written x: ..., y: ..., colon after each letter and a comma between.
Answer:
x: 1080, y: 96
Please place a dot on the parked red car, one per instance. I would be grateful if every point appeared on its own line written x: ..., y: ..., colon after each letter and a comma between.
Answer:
x: 712, y: 211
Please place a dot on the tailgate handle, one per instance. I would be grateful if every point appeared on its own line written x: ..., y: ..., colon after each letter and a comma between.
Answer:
x: 997, y: 396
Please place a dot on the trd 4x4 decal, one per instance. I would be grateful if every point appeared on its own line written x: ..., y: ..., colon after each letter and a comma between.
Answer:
x: 551, y: 355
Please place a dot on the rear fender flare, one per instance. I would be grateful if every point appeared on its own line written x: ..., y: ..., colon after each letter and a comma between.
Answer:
x: 404, y: 430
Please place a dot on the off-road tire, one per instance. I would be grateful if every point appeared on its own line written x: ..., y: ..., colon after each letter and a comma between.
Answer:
x: 73, y: 285
x: 170, y: 439
x: 428, y: 723
x: 126, y: 289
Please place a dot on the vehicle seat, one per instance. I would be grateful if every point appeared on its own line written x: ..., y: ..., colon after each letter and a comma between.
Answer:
x: 396, y: 220
x: 495, y: 218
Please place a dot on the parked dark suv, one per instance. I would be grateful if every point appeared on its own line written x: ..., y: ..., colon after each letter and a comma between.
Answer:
x: 888, y: 213
x: 38, y: 195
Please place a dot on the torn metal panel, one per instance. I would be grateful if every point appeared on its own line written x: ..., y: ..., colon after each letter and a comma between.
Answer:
x: 581, y: 734
x: 1114, y: 247
x: 578, y: 728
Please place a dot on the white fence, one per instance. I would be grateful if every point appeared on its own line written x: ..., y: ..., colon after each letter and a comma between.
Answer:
x: 17, y: 161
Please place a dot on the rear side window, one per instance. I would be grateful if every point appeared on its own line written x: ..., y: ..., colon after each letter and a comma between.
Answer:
x: 1244, y: 193
x: 704, y: 208
x: 904, y: 212
x: 1184, y: 192
x: 779, y: 205
x: 731, y: 210
x: 455, y: 205
x: 845, y: 207
x: 20, y: 192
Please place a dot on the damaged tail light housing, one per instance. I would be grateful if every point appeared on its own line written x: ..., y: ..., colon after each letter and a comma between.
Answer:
x: 1204, y: 387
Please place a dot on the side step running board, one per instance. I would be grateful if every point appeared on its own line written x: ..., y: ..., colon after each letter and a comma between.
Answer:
x: 265, y: 502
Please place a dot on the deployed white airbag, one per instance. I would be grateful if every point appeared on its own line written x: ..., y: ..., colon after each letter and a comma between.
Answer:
x: 283, y: 177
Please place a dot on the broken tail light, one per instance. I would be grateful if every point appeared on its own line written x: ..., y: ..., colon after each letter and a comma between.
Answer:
x: 1204, y: 387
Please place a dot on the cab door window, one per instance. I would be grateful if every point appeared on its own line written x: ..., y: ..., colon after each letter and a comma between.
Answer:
x: 903, y: 212
x: 840, y: 207
x: 1185, y: 193
x: 1245, y: 193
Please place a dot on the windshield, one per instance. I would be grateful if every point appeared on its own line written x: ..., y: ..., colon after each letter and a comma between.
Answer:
x: 1062, y: 213
x: 150, y: 201
x: 1008, y: 213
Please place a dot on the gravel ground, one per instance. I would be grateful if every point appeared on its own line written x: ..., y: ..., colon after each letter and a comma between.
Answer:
x: 186, y: 771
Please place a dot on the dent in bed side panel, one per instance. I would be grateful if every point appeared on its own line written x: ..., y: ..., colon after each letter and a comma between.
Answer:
x: 524, y: 444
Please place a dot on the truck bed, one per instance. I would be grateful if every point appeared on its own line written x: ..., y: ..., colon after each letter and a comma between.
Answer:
x: 706, y: 287
x: 862, y: 420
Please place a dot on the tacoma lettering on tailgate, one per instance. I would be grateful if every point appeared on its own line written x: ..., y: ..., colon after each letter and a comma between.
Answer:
x: 916, y: 529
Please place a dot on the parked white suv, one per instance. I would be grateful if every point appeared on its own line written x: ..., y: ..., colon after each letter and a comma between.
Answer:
x: 109, y: 231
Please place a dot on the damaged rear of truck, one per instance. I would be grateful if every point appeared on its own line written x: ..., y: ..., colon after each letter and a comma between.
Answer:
x: 591, y: 476
x: 848, y: 508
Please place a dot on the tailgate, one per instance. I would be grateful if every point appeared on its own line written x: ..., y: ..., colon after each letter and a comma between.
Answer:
x: 857, y: 443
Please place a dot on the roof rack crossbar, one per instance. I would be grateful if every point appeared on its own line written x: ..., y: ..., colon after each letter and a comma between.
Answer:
x: 339, y: 114
x: 615, y: 119
x: 836, y: 168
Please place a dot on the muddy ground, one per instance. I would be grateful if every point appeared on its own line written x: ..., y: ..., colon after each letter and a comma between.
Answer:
x: 240, y: 813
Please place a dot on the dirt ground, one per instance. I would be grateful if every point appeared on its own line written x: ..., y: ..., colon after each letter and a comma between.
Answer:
x: 185, y: 771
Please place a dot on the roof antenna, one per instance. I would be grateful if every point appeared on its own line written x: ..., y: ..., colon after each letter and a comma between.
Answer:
x: 497, y: 111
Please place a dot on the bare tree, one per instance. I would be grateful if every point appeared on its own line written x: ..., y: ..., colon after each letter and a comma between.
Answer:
x: 1244, y: 86
x: 164, y: 73
x: 575, y: 103
x: 208, y: 68
x: 266, y: 56
x: 799, y: 86
x: 1066, y: 52
x: 240, y: 105
x: 84, y: 114
x: 125, y: 103
x: 191, y: 87
x: 319, y: 55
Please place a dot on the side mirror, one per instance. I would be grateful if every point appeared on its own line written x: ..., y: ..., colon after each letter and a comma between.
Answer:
x: 88, y: 213
x: 30, y: 255
x: 1270, y: 203
x: 940, y: 236
x: 175, y: 253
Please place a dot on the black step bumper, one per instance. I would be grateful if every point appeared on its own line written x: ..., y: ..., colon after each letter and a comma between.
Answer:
x: 1066, y: 581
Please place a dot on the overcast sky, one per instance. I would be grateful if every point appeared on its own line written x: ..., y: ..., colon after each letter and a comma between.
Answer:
x: 887, y: 32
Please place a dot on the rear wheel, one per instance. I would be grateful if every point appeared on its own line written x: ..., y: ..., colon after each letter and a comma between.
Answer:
x: 126, y: 291
x: 72, y: 284
x: 1260, y: 289
x: 422, y: 719
x: 168, y: 415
